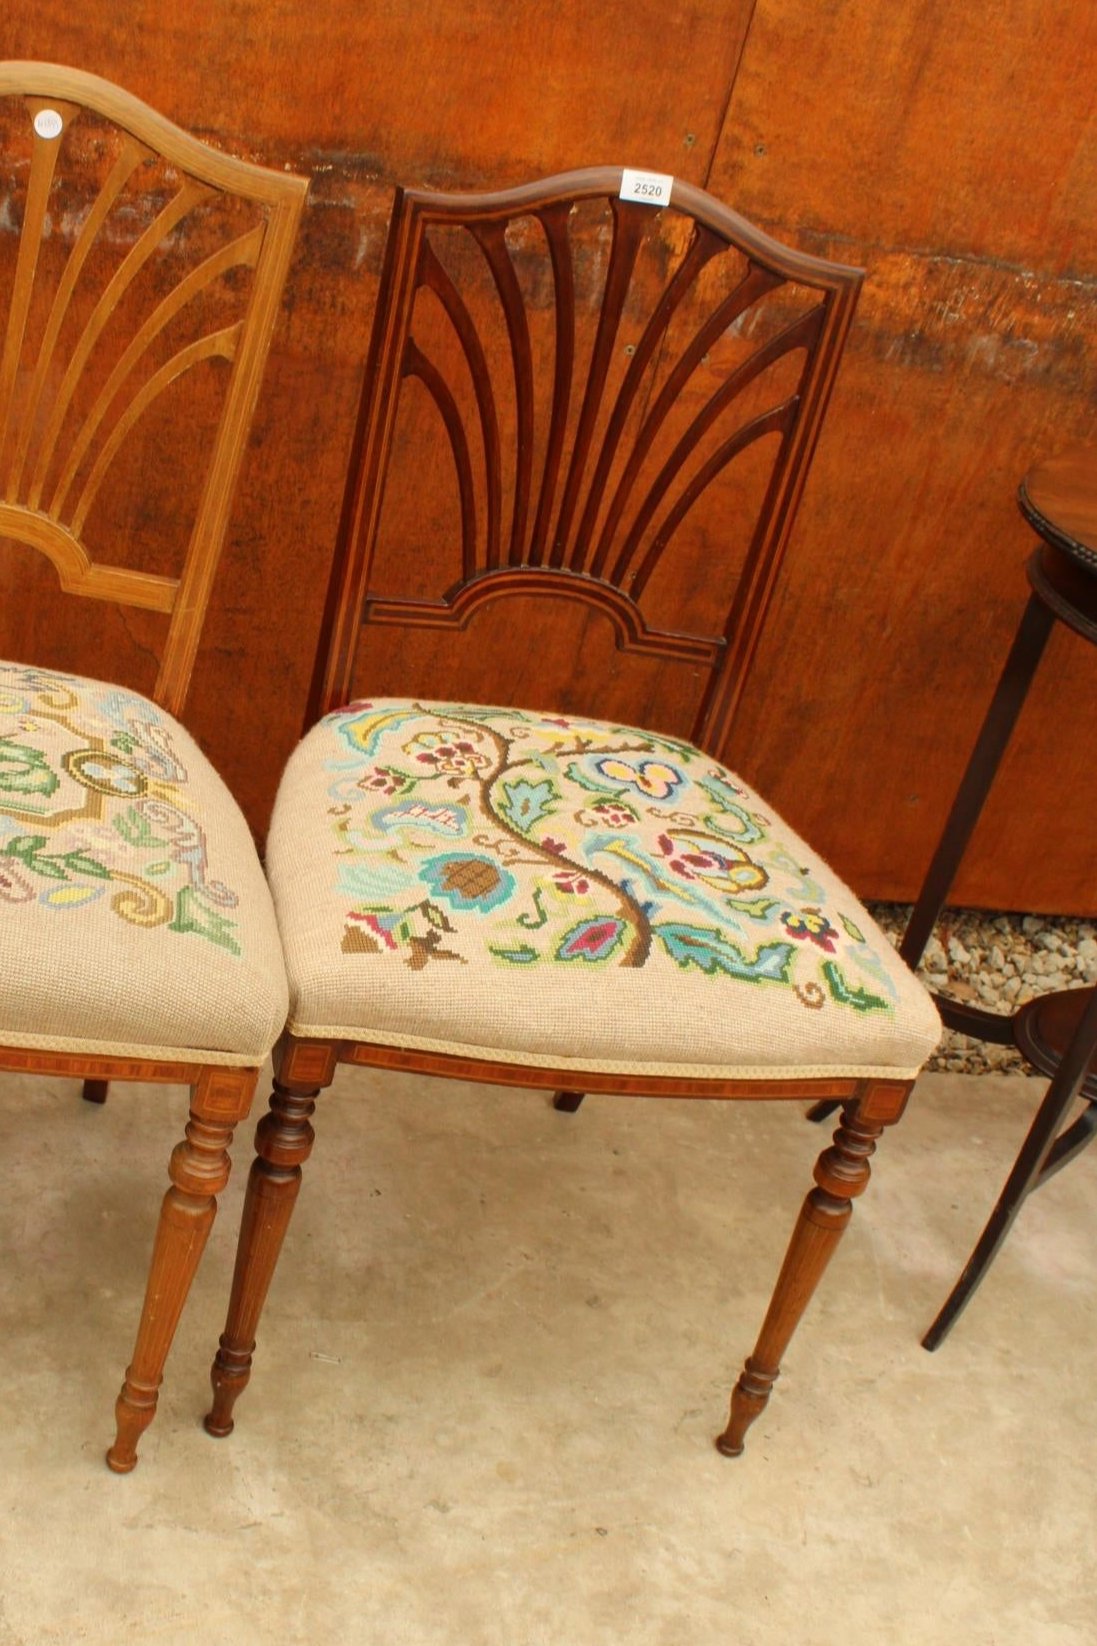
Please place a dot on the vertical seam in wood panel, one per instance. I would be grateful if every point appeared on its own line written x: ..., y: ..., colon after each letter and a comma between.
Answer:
x: 726, y: 110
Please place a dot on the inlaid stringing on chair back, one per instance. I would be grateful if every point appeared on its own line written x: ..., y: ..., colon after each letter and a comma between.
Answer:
x: 633, y: 355
x: 132, y: 256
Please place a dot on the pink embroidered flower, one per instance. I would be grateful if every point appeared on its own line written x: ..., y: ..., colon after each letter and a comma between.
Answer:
x: 381, y: 780
x: 457, y: 759
x: 570, y: 880
x: 556, y: 847
x: 611, y: 814
x: 726, y: 868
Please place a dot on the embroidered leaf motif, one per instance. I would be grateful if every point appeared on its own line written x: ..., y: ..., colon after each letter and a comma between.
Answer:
x: 54, y: 865
x: 758, y: 908
x: 710, y: 950
x: 527, y: 803
x: 846, y: 994
x: 135, y: 829
x: 591, y: 940
x: 25, y: 771
x: 191, y: 916
x: 853, y: 931
x: 524, y: 955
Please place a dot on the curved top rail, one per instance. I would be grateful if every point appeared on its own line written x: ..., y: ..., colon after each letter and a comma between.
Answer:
x: 191, y: 154
x: 604, y: 182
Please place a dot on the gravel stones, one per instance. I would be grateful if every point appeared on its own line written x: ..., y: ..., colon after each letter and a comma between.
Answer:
x: 997, y: 961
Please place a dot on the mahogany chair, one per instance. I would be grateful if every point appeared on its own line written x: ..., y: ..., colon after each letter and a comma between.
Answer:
x: 617, y: 401
x: 137, y: 297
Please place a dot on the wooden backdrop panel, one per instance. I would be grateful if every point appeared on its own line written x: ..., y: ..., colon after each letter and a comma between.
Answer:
x: 948, y: 150
x: 951, y: 153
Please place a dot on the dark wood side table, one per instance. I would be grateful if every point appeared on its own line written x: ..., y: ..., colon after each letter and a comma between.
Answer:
x: 1057, y: 1033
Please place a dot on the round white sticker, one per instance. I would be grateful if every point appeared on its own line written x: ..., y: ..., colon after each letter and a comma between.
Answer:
x: 48, y: 123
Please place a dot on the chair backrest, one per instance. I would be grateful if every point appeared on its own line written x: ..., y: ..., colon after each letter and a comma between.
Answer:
x: 140, y: 277
x: 596, y: 368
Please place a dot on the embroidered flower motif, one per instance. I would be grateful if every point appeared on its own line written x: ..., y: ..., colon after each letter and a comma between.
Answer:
x: 570, y: 880
x: 382, y: 780
x: 556, y: 847
x: 724, y: 868
x: 811, y: 926
x: 456, y: 758
x: 653, y: 778
x: 607, y: 814
x: 466, y: 882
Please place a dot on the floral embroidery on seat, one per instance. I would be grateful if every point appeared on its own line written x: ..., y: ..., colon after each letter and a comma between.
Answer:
x: 94, y: 804
x: 575, y: 843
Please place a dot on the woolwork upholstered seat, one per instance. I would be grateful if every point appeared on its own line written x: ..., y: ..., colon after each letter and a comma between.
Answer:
x: 500, y: 884
x: 583, y: 436
x: 137, y: 922
x: 141, y: 274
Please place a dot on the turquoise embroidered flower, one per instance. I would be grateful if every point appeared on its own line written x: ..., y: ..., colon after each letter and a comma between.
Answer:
x: 467, y: 882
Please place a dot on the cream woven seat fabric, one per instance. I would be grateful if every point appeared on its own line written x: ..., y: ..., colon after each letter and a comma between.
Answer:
x: 567, y: 893
x: 134, y: 916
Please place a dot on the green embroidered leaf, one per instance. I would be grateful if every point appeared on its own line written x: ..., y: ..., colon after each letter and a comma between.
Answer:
x: 135, y: 830
x: 25, y: 771
x: 846, y: 994
x: 53, y: 865
x: 758, y: 908
x: 527, y: 803
x: 853, y: 931
x: 124, y: 742
x: 521, y: 956
x: 710, y: 951
x: 27, y: 848
x: 81, y: 863
x: 191, y: 916
x: 158, y: 868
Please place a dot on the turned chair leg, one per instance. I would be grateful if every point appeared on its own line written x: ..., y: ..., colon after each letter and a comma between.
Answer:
x: 841, y: 1173
x: 567, y: 1102
x: 199, y: 1170
x: 283, y: 1143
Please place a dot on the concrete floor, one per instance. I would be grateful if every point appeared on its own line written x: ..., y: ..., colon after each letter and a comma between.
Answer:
x: 492, y: 1364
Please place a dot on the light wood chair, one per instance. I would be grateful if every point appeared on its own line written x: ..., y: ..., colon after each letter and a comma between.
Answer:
x: 138, y: 299
x: 621, y: 404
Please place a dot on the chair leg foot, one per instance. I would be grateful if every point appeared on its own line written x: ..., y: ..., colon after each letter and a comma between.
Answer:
x: 95, y: 1091
x: 567, y: 1102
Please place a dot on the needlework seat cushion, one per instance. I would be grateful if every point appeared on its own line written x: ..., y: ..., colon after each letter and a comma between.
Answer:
x: 134, y: 916
x: 559, y: 892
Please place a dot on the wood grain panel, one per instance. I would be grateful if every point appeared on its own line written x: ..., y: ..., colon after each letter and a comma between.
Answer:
x: 957, y: 171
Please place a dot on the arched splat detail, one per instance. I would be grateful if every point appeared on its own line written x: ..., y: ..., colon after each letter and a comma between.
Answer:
x: 463, y: 602
x: 621, y: 360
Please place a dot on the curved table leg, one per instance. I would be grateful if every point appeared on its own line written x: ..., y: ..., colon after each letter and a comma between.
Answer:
x: 1026, y: 1173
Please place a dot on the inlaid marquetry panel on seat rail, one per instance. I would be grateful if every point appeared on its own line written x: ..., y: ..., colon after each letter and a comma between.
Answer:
x: 571, y: 893
x: 141, y: 275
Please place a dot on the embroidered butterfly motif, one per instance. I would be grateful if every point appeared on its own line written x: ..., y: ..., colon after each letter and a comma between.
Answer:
x: 652, y: 777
